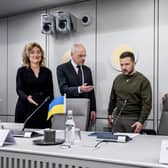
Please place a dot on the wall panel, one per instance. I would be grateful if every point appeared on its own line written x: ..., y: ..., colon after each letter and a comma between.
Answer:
x: 3, y: 69
x: 119, y: 23
x: 114, y: 23
x: 163, y: 54
x: 60, y: 44
x: 21, y: 30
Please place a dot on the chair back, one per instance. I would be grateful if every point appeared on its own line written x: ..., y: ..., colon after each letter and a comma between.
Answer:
x: 163, y: 126
x: 80, y: 108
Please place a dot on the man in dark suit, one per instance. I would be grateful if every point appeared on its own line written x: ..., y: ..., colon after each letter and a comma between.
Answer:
x: 75, y: 78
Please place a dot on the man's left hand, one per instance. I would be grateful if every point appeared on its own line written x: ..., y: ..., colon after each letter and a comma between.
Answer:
x: 138, y: 127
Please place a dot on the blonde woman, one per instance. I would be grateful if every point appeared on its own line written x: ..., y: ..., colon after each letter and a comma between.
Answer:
x: 33, y: 84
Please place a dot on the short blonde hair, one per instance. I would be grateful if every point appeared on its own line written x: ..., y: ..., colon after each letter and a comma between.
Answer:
x: 26, y: 52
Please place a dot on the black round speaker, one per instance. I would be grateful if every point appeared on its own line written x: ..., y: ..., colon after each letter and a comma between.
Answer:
x: 62, y: 24
x: 46, y: 27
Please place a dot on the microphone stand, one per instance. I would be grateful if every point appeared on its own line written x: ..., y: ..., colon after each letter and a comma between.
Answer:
x: 27, y: 119
x: 112, y: 137
x: 117, y: 117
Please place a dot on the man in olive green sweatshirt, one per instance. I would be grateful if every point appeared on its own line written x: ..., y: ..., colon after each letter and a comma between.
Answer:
x: 131, y: 98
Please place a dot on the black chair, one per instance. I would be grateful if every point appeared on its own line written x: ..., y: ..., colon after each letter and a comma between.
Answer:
x: 163, y: 126
x: 148, y: 132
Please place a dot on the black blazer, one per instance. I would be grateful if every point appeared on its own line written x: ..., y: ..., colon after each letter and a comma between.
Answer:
x: 68, y: 83
x: 39, y: 88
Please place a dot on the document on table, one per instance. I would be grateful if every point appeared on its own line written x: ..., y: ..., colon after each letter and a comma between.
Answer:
x: 131, y: 135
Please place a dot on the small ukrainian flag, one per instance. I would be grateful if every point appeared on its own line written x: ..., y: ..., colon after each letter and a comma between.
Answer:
x: 57, y: 106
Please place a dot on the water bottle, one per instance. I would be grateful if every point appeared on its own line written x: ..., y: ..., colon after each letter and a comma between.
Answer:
x: 69, y: 128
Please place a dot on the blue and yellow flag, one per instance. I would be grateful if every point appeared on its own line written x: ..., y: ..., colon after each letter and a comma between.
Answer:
x: 56, y: 107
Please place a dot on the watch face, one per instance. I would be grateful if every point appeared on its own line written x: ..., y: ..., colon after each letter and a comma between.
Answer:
x: 118, y: 51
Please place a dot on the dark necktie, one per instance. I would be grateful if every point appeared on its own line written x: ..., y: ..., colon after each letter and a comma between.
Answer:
x: 79, y: 74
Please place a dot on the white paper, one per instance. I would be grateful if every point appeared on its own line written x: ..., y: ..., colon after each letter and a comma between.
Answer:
x: 27, y: 134
x: 164, y: 152
x: 131, y: 135
x: 6, y: 137
x: 121, y: 139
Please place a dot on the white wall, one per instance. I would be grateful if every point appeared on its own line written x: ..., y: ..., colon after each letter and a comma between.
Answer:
x: 114, y: 23
x: 60, y: 44
x: 3, y: 69
x: 163, y: 44
x: 122, y: 22
x: 21, y: 30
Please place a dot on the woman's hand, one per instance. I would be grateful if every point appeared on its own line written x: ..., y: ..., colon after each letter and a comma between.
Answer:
x: 30, y: 99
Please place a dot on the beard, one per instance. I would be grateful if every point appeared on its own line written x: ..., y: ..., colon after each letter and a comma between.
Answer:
x: 128, y: 73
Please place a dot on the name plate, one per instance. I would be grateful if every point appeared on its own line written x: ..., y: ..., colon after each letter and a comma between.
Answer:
x: 164, y: 152
x: 6, y: 137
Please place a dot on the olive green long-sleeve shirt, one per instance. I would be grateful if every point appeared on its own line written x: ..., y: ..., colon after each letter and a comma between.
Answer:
x: 136, y: 91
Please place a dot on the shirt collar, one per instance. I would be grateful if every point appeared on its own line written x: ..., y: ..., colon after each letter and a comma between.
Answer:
x: 74, y: 64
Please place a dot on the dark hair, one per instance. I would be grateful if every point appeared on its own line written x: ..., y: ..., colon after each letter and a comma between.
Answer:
x: 128, y: 54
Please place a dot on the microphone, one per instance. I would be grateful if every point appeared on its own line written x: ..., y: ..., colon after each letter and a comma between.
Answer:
x: 118, y: 116
x: 30, y: 133
x: 34, y: 112
x: 112, y: 137
x: 109, y: 136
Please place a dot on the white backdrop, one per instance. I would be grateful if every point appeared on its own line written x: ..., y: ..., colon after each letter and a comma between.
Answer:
x: 114, y: 23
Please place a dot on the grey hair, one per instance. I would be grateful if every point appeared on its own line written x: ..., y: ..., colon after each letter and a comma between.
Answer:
x: 75, y: 46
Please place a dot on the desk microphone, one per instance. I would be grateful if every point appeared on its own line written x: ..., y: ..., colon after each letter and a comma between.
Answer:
x: 30, y: 133
x: 117, y: 117
x: 109, y: 136
x: 27, y: 119
x: 117, y: 138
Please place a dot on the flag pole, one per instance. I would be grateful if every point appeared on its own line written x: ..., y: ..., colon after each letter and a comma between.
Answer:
x: 65, y: 113
x: 65, y: 103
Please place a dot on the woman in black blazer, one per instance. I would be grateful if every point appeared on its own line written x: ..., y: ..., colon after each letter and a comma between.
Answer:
x: 33, y: 84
